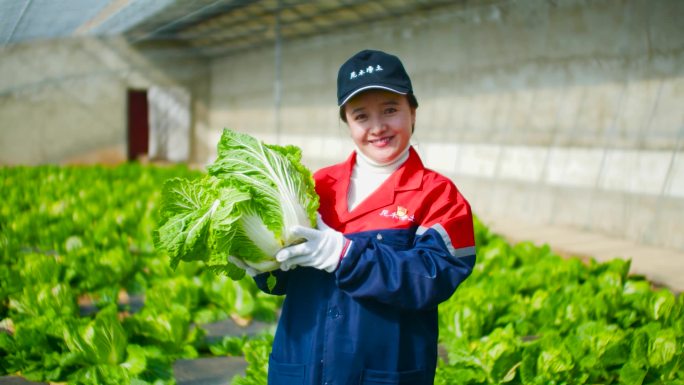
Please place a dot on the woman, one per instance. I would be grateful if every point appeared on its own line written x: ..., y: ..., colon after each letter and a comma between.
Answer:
x: 394, y: 240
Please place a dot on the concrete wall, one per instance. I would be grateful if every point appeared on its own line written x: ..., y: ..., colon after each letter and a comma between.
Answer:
x: 554, y: 112
x: 65, y: 100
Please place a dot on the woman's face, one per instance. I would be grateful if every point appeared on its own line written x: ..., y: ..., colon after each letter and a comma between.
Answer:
x: 380, y: 123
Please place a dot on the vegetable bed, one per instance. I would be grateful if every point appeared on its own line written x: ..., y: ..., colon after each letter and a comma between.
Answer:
x: 85, y: 298
x: 528, y: 316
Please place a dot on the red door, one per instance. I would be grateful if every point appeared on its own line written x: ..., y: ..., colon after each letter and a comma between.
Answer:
x: 138, y: 124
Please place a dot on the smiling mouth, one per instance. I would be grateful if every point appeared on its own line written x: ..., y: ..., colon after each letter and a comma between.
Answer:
x: 381, y: 141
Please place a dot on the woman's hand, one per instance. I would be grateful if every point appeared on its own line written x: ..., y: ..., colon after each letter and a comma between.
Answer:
x: 321, y: 250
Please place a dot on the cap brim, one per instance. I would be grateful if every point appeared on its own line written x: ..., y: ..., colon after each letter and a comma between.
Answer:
x: 373, y: 86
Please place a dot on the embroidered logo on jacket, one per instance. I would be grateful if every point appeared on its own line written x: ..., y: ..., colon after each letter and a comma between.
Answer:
x: 401, y: 214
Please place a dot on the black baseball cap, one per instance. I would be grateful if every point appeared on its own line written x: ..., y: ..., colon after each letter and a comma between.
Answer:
x: 370, y: 69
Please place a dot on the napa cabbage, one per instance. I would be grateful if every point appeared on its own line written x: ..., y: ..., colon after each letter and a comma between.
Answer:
x: 245, y: 206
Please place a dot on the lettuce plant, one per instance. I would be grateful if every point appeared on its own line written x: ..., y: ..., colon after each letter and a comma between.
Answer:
x: 253, y: 195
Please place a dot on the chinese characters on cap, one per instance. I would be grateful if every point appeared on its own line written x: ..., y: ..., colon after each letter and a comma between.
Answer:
x: 369, y: 70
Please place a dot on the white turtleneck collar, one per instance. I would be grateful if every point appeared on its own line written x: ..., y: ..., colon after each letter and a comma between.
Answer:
x: 367, y: 175
x: 366, y: 164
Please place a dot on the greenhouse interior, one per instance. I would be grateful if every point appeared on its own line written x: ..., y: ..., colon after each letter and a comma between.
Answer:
x: 149, y: 148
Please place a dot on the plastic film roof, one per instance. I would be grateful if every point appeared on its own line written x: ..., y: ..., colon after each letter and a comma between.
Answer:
x: 208, y: 27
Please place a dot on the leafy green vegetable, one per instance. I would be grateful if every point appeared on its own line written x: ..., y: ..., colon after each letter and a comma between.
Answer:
x: 101, y: 341
x: 197, y: 218
x: 254, y: 194
x: 256, y: 351
x: 168, y: 329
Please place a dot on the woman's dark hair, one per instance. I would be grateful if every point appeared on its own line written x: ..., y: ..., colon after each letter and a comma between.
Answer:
x: 412, y: 101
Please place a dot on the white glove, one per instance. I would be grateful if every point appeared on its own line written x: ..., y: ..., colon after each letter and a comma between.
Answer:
x: 239, y: 263
x: 322, y: 249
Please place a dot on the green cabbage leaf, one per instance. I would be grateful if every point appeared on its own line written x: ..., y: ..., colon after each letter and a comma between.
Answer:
x: 245, y: 207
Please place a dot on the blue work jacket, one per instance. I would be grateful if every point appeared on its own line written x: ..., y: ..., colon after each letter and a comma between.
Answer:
x: 374, y: 320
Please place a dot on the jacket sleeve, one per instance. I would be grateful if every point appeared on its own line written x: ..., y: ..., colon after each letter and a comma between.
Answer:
x: 281, y: 278
x: 441, y: 257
